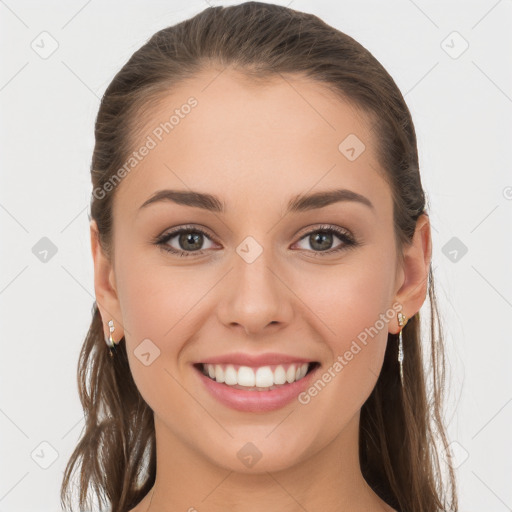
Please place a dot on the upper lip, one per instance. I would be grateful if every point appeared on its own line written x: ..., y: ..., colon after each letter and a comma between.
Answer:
x: 241, y: 359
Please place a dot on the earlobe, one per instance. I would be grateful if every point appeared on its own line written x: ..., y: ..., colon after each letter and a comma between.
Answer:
x: 417, y: 258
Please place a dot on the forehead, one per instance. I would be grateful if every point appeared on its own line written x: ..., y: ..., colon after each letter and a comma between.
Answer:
x: 252, y: 142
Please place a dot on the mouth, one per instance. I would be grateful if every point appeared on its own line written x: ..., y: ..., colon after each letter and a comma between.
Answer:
x: 260, y: 378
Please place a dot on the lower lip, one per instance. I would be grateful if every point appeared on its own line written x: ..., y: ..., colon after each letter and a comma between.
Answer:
x: 256, y: 401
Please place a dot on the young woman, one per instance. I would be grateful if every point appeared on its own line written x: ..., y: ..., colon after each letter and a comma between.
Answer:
x: 261, y: 251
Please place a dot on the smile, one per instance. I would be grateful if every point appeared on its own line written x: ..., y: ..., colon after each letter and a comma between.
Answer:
x: 263, y: 378
x: 256, y: 388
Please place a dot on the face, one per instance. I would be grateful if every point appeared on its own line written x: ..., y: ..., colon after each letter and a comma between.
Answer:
x: 315, y: 283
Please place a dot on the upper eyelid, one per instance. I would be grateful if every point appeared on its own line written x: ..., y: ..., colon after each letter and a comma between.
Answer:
x: 184, y: 229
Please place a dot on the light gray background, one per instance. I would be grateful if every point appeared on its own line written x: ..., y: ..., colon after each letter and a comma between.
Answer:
x: 462, y: 108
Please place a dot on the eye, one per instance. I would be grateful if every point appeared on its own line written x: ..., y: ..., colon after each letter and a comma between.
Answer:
x: 188, y: 239
x: 321, y: 240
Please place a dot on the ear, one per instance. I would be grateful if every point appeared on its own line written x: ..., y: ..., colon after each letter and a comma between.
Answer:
x: 415, y: 269
x: 104, y: 287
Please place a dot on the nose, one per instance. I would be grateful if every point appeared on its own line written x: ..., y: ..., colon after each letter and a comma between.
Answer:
x: 255, y: 296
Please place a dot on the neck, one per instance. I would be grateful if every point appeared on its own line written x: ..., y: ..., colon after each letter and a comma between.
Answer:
x: 328, y: 479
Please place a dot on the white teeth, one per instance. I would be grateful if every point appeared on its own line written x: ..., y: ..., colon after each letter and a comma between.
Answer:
x: 262, y: 377
x: 279, y: 375
x: 301, y: 372
x: 219, y: 373
x: 230, y: 375
x: 245, y: 376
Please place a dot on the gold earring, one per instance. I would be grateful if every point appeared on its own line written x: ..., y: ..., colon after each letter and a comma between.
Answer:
x: 110, y: 341
x: 402, y: 320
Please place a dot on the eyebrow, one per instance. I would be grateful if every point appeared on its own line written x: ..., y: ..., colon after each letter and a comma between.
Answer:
x: 299, y: 203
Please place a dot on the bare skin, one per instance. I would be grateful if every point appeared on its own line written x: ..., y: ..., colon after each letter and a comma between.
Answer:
x: 256, y: 147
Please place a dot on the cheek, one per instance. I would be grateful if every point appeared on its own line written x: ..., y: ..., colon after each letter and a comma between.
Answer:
x: 157, y: 299
x: 351, y: 306
x: 157, y: 307
x: 347, y: 298
x: 163, y: 304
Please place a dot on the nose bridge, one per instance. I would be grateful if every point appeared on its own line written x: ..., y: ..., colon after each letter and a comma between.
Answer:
x: 255, y: 297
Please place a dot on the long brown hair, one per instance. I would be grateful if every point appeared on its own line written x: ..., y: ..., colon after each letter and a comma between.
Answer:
x: 401, y: 430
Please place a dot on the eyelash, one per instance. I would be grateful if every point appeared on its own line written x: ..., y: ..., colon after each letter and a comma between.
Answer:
x: 348, y: 241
